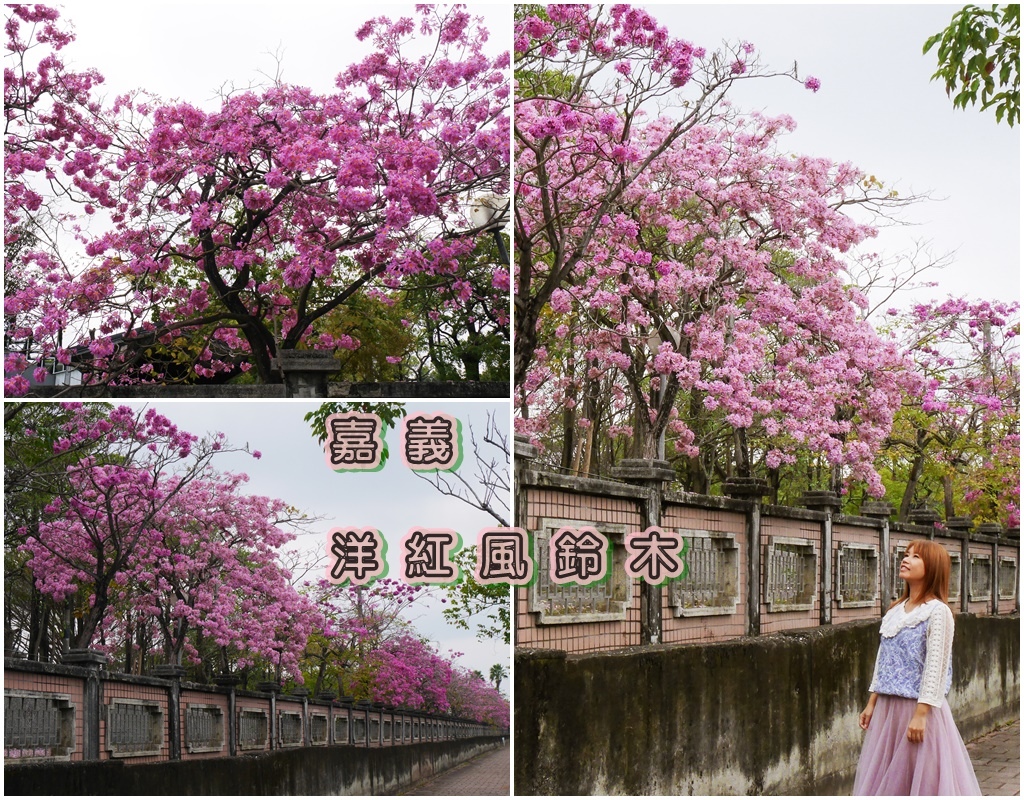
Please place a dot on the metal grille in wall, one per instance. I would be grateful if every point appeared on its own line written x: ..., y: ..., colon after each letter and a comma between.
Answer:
x: 596, y: 602
x: 290, y: 728
x: 857, y: 569
x: 134, y: 728
x: 1007, y: 578
x: 711, y: 582
x: 792, y: 574
x: 253, y: 729
x: 981, y: 578
x: 38, y: 726
x: 204, y: 728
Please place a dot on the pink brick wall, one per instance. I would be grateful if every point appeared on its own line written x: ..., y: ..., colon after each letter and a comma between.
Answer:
x: 588, y: 636
x: 712, y: 628
x: 856, y: 534
x: 583, y: 637
x: 190, y: 696
x: 775, y: 621
x: 55, y: 684
x: 117, y: 690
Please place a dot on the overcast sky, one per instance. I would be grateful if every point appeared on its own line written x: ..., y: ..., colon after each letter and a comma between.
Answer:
x: 392, y: 500
x: 878, y: 109
x: 188, y: 50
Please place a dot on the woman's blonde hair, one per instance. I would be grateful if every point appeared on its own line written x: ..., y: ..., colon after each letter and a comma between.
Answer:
x: 936, y: 570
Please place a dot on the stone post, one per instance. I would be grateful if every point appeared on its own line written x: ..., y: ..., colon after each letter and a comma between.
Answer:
x: 307, y: 728
x: 1013, y: 539
x: 229, y: 682
x: 652, y: 475
x: 305, y: 372
x: 995, y: 530
x: 753, y: 491
x: 273, y: 687
x: 881, y: 511
x: 925, y: 516
x: 92, y: 698
x: 830, y: 503
x: 174, y: 673
x: 960, y: 527
x: 524, y: 454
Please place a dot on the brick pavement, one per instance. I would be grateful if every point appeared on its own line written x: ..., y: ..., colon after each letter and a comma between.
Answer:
x: 487, y: 774
x: 996, y: 759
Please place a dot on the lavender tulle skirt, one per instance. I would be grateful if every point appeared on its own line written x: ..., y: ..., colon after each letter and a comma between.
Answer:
x: 891, y: 765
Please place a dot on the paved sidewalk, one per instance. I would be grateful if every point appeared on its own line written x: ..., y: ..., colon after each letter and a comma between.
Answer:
x: 996, y: 759
x: 486, y: 774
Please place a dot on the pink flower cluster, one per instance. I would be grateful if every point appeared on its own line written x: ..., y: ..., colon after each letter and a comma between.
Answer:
x: 248, y: 224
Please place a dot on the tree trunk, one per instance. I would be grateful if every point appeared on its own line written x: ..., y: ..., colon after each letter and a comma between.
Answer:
x: 742, y: 454
x: 916, y: 469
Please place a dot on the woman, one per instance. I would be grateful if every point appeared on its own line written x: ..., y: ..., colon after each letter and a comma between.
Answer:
x: 912, y: 745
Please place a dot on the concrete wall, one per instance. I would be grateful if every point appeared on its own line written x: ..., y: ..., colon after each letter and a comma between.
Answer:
x: 759, y: 715
x: 336, y: 770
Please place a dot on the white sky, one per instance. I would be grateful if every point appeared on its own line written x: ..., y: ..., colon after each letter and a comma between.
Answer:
x: 878, y: 109
x: 392, y: 500
x: 188, y: 50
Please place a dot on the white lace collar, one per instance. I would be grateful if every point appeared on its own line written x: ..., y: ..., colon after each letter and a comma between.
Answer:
x: 899, y: 618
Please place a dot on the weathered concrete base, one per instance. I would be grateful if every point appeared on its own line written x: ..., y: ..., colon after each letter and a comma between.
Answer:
x: 308, y: 771
x: 760, y: 715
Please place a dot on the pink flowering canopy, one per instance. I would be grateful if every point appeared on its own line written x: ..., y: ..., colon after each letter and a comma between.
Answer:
x: 366, y: 646
x: 958, y: 435
x: 149, y: 536
x: 235, y: 233
x: 685, y: 274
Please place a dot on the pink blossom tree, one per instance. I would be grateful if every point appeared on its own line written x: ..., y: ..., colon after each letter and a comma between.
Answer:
x: 473, y: 697
x: 957, y: 437
x: 149, y: 535
x: 684, y: 273
x: 587, y: 82
x: 234, y: 234
x: 357, y: 622
x: 408, y: 671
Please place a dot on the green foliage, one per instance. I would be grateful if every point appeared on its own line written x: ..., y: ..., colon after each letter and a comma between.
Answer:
x: 468, y: 599
x: 383, y: 329
x: 463, y: 339
x: 532, y: 79
x: 979, y: 58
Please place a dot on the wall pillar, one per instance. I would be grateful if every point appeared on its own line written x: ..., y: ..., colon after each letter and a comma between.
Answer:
x: 305, y: 372
x: 652, y: 475
x: 995, y: 530
x: 881, y: 511
x: 830, y: 503
x: 753, y: 491
x: 92, y: 698
x: 174, y: 673
x: 524, y: 453
x: 960, y: 528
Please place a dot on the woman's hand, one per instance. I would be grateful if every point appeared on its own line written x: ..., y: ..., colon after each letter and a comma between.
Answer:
x: 915, y: 730
x: 869, y: 710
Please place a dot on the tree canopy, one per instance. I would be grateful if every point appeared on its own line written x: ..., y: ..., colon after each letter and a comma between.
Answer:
x: 231, y: 234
